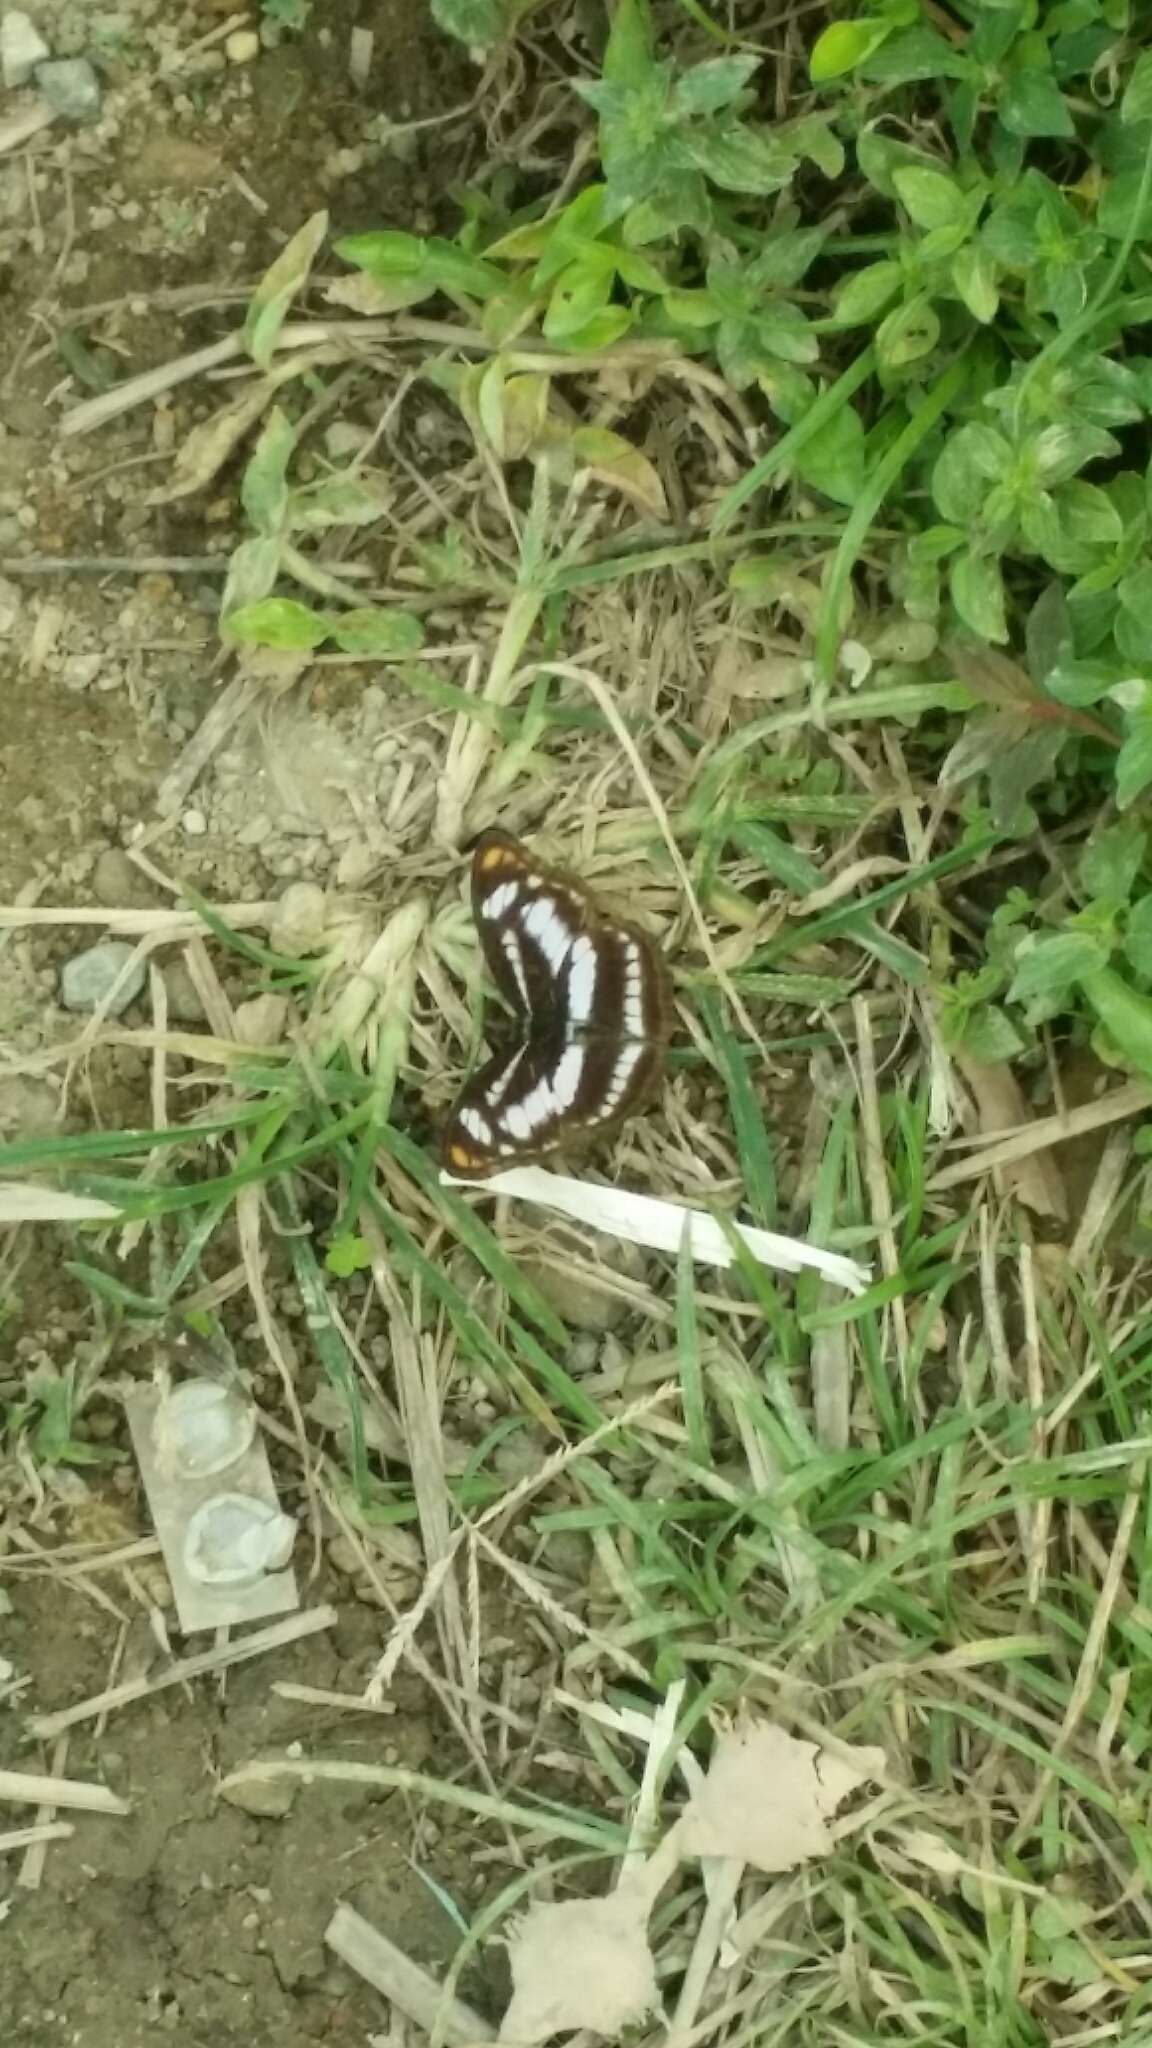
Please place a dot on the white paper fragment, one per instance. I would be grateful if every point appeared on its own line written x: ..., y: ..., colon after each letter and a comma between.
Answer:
x: 768, y: 1797
x: 25, y: 1202
x: 583, y: 1964
x: 647, y: 1220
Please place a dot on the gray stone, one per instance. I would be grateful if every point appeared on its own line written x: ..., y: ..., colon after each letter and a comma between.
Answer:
x: 262, y: 1020
x: 70, y: 85
x: 297, y: 924
x: 185, y: 1004
x: 119, y: 884
x: 86, y: 979
x: 22, y: 48
x: 267, y: 1799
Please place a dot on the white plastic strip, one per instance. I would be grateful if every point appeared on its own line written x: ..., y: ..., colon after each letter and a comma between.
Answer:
x: 644, y: 1219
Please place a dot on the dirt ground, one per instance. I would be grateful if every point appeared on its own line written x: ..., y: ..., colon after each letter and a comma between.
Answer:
x: 191, y: 1917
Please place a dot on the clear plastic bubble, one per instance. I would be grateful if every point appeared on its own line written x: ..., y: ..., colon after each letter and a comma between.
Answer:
x: 235, y: 1538
x: 202, y: 1428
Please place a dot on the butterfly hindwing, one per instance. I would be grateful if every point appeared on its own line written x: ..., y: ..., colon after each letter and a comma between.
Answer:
x: 592, y: 1002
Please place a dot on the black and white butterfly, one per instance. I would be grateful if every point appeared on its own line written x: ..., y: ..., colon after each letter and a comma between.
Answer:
x: 592, y: 999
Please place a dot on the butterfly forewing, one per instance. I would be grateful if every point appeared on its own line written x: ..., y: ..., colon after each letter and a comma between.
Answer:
x: 592, y: 1001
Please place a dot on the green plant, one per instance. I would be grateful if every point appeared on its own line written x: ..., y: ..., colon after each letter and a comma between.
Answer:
x: 287, y: 14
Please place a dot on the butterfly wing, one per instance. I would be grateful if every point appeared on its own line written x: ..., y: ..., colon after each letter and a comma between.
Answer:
x: 594, y: 1002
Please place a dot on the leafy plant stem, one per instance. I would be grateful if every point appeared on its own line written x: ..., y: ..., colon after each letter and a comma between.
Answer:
x: 820, y: 412
x: 876, y: 489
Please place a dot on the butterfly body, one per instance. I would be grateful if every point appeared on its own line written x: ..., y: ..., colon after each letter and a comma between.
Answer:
x: 592, y: 1001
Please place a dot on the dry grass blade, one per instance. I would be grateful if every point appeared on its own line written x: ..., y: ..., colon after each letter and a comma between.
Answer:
x: 402, y: 1982
x: 184, y: 1668
x: 33, y: 1788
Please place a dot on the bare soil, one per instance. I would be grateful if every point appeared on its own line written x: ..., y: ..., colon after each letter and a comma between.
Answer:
x: 190, y: 1918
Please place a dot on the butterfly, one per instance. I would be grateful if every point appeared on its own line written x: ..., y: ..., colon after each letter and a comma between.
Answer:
x: 593, y: 1001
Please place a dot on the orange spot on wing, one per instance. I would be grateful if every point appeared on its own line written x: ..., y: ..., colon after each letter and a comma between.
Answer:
x: 495, y: 857
x: 459, y: 1155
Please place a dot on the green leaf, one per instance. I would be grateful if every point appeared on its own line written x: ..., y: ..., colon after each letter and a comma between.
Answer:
x: 861, y: 296
x: 276, y: 622
x: 1135, y: 591
x: 1126, y: 1015
x: 977, y: 586
x: 974, y: 276
x: 365, y: 630
x: 628, y: 53
x: 1088, y: 517
x: 1117, y: 208
x: 971, y: 458
x: 844, y: 46
x: 1134, y: 761
x: 264, y: 486
x: 1111, y: 861
x: 385, y: 253
x: 579, y: 293
x: 930, y: 199
x: 347, y: 1254
x: 783, y: 259
x: 814, y: 139
x: 833, y: 460
x: 1136, y: 104
x: 695, y: 309
x: 1138, y: 937
x: 741, y: 159
x: 1031, y: 104
x: 990, y: 1035
x: 1078, y: 683
x: 1051, y: 967
x: 252, y: 573
x: 916, y: 53
x: 784, y: 331
x: 348, y: 500
x: 1011, y: 234
x: 600, y: 332
x: 415, y: 266
x: 478, y: 24
x: 705, y: 88
x: 1063, y: 448
x: 908, y: 333
x: 278, y: 287
x: 880, y: 156
x: 1022, y: 764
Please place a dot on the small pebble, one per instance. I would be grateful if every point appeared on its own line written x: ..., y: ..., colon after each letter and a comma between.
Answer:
x: 344, y: 437
x: 262, y: 1020
x: 70, y: 85
x: 185, y: 1005
x: 195, y: 824
x: 118, y: 883
x: 86, y: 979
x: 242, y: 46
x: 22, y: 48
x: 298, y: 921
x: 270, y: 1799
